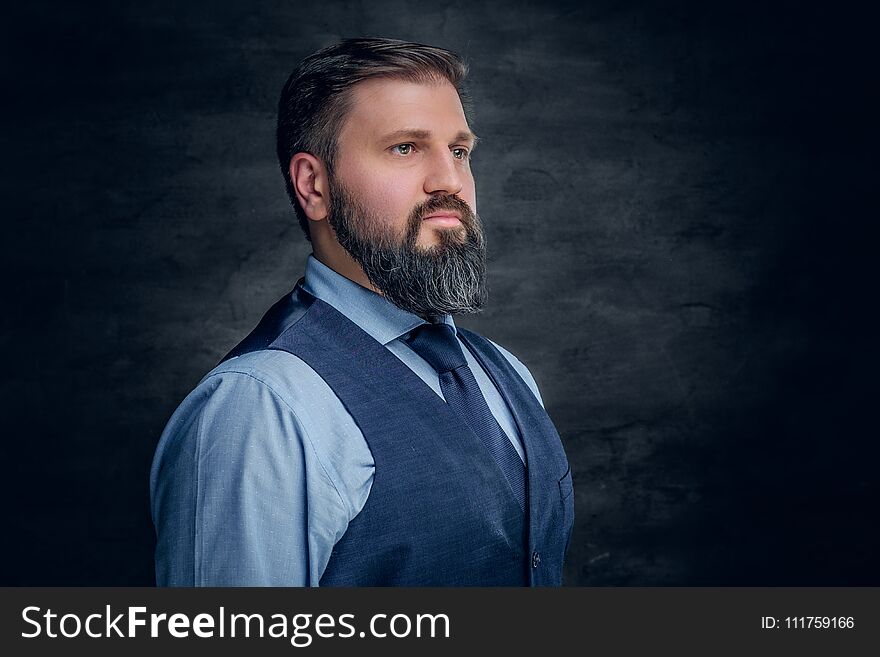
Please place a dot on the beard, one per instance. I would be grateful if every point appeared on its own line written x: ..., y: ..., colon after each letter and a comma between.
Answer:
x: 446, y: 278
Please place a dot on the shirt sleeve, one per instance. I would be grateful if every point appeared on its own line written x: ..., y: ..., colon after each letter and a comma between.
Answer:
x: 231, y: 486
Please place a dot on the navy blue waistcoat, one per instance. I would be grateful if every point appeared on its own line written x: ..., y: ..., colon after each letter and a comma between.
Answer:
x: 439, y: 512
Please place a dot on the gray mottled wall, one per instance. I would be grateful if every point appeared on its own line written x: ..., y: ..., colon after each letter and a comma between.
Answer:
x: 680, y: 229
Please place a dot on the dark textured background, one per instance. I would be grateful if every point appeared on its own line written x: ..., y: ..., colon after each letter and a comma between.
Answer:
x: 680, y: 231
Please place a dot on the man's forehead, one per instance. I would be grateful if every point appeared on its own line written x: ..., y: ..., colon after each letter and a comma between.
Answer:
x: 384, y: 107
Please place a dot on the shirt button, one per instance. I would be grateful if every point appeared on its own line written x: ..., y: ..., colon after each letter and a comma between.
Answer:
x: 536, y: 559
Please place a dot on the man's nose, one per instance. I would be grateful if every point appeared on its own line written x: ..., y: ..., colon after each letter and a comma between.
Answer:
x: 443, y: 175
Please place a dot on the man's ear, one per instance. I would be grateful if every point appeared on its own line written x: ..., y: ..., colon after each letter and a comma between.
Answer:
x: 309, y: 177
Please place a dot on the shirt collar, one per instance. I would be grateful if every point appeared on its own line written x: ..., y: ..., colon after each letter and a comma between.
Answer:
x: 372, y: 312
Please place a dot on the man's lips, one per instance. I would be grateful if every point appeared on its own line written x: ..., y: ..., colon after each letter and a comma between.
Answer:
x: 443, y: 218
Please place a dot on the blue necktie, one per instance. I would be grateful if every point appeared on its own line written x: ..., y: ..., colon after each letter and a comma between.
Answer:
x: 439, y: 346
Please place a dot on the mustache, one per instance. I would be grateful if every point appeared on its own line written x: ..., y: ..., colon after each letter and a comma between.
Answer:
x: 449, y: 202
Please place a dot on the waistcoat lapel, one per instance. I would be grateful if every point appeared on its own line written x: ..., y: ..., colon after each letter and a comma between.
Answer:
x: 551, y: 502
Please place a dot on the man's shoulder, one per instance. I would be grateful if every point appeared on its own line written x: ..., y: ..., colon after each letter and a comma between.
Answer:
x: 257, y: 387
x: 517, y: 365
x: 278, y: 370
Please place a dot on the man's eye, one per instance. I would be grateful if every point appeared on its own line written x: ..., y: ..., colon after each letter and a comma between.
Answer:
x: 403, y: 149
x: 460, y: 153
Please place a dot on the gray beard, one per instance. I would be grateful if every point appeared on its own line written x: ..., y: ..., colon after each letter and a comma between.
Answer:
x: 447, y: 278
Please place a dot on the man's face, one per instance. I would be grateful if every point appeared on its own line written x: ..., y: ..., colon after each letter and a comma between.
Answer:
x: 402, y: 143
x: 402, y: 196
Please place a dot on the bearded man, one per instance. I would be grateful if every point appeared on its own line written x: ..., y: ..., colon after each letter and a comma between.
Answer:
x: 356, y: 437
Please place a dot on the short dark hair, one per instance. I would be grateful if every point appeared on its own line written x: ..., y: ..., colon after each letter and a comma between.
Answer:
x: 317, y: 96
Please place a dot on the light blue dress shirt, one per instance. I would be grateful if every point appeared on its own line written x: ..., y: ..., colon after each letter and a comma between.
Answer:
x: 261, y: 468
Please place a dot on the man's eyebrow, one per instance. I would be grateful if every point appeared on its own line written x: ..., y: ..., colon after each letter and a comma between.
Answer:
x: 416, y: 133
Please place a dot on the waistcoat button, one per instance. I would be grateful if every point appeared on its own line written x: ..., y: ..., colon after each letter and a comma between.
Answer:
x: 536, y: 559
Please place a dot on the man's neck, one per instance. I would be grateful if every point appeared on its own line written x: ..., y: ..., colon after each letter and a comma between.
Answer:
x: 343, y: 264
x: 340, y: 261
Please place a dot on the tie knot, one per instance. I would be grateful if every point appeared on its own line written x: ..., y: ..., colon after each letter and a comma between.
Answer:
x: 438, y: 345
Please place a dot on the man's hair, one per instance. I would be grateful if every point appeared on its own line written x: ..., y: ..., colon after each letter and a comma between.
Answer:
x: 317, y: 96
